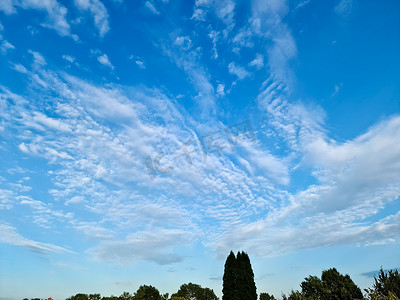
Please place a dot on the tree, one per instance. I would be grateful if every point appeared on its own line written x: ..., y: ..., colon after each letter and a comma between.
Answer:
x: 125, y: 296
x: 386, y: 286
x: 229, y: 281
x: 251, y: 290
x: 191, y: 291
x: 296, y: 295
x: 238, y: 279
x: 266, y: 296
x: 94, y: 296
x: 312, y: 287
x: 79, y: 296
x: 147, y: 292
x: 331, y: 286
x: 111, y: 298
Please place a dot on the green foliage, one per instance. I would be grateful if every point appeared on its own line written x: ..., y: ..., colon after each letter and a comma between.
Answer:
x: 147, y: 292
x: 331, y: 286
x: 296, y: 295
x: 386, y: 286
x: 194, y: 292
x: 79, y: 297
x: 178, y: 298
x: 238, y: 280
x: 125, y: 296
x: 312, y: 287
x: 266, y: 296
x: 94, y: 296
x: 228, y: 281
x: 110, y: 298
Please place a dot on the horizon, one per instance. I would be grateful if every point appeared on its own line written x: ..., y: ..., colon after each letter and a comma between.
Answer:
x: 142, y: 141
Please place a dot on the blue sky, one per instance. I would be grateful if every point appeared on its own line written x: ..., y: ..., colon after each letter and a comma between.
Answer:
x: 141, y: 141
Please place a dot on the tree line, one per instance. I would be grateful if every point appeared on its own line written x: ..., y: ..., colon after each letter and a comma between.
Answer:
x: 238, y: 284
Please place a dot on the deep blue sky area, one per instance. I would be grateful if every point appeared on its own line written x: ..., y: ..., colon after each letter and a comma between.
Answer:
x: 142, y: 141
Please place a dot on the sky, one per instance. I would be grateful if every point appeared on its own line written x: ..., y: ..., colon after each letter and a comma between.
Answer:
x: 142, y: 141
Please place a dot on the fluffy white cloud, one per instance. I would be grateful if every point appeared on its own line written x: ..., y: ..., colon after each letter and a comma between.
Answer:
x: 103, y: 59
x: 239, y: 71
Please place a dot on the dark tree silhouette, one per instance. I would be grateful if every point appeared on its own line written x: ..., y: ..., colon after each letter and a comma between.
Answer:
x: 238, y: 280
x: 194, y: 292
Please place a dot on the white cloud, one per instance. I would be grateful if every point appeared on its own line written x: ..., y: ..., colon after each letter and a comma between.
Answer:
x: 38, y: 59
x: 20, y: 68
x: 155, y: 246
x: 56, y: 13
x: 258, y: 62
x: 186, y: 57
x: 214, y: 35
x: 220, y: 90
x: 270, y: 166
x: 303, y: 3
x: 5, y: 46
x: 183, y: 41
x: 50, y: 123
x: 7, y: 6
x: 23, y: 148
x: 239, y: 71
x: 69, y: 58
x: 280, y: 53
x: 6, y: 199
x: 9, y: 235
x: 344, y: 7
x: 240, y: 191
x: 269, y: 8
x: 336, y: 89
x: 103, y: 59
x: 99, y: 12
x: 151, y: 8
x: 224, y: 10
x: 198, y: 14
x: 93, y: 230
x: 140, y: 64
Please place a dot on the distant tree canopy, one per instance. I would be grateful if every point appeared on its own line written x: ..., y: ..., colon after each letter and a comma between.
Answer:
x: 386, y: 286
x: 238, y: 284
x: 191, y: 291
x: 147, y: 292
x: 238, y: 279
x: 331, y: 286
x: 266, y: 296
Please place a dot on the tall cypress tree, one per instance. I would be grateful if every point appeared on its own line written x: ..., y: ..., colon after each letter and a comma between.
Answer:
x: 251, y: 290
x: 229, y: 284
x: 238, y: 280
x: 241, y: 278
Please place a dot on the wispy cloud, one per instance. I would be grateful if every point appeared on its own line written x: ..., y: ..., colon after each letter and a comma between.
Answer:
x: 150, y: 6
x: 152, y: 246
x: 5, y: 46
x: 239, y: 71
x: 9, y: 235
x: 99, y: 12
x: 257, y: 62
x: 56, y: 13
x: 344, y: 7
